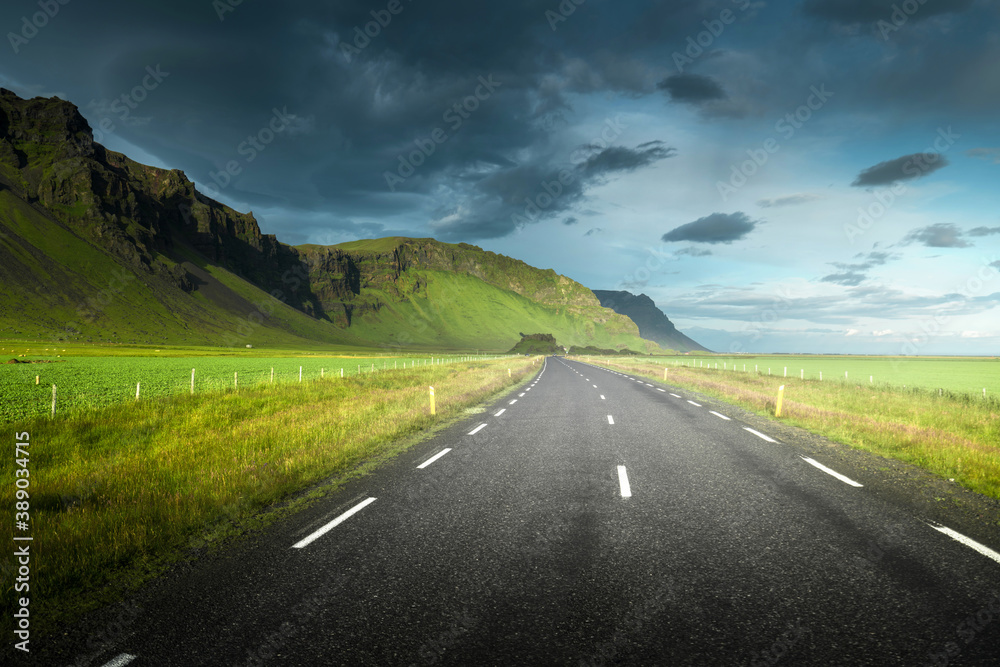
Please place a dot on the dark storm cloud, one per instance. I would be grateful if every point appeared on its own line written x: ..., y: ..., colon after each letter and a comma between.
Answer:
x: 902, y: 168
x: 714, y: 228
x: 540, y: 188
x: 620, y: 158
x: 940, y: 235
x: 692, y: 88
x: 863, y: 11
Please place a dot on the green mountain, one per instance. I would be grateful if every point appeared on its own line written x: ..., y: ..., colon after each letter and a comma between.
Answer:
x: 95, y: 246
x: 652, y: 322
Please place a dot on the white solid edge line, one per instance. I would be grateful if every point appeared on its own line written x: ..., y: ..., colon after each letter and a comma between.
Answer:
x: 501, y: 412
x: 675, y: 395
x: 433, y: 458
x: 759, y: 434
x: 969, y: 542
x: 718, y: 415
x: 477, y: 429
x: 695, y: 404
x: 828, y: 471
x: 623, y: 482
x: 306, y: 541
x: 610, y: 420
x: 120, y: 660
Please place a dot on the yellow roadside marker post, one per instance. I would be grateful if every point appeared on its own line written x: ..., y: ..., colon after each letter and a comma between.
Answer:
x: 781, y: 397
x: 432, y: 401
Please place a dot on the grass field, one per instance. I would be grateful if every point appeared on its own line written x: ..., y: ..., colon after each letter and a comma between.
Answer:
x: 953, y: 433
x: 119, y: 492
x: 84, y: 382
x: 959, y: 374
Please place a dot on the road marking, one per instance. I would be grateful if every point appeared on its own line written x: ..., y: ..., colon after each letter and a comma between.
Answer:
x: 333, y: 524
x: 623, y: 482
x: 512, y: 402
x: 718, y: 415
x: 477, y: 429
x: 695, y: 404
x: 969, y: 542
x: 594, y: 386
x: 527, y: 390
x: 120, y: 660
x: 610, y: 420
x: 658, y: 389
x: 433, y: 458
x: 828, y: 471
x: 500, y: 413
x: 648, y: 385
x: 602, y: 397
x: 675, y: 395
x: 521, y: 394
x: 759, y: 434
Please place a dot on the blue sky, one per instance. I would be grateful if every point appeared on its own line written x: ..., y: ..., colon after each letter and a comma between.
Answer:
x: 807, y: 176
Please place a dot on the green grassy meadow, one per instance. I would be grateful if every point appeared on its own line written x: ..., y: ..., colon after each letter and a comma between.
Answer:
x: 117, y: 493
x: 957, y: 374
x: 85, y: 381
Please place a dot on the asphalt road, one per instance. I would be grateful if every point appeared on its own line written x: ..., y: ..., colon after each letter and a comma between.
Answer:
x: 589, y: 518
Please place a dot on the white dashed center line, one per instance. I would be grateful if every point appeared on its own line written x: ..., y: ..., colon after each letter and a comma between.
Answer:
x: 759, y: 434
x: 972, y: 544
x: 512, y: 402
x: 675, y: 395
x: 120, y: 660
x: 333, y: 524
x: 521, y: 394
x: 698, y: 405
x: 828, y: 471
x: 623, y: 482
x: 500, y: 413
x: 602, y: 397
x: 594, y: 386
x: 611, y: 419
x: 433, y: 458
x: 718, y: 415
x: 477, y: 429
x: 658, y: 389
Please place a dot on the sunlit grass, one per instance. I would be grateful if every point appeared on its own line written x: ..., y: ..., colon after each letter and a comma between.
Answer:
x: 118, y: 492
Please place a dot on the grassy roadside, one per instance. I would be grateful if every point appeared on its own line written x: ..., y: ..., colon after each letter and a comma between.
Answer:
x: 953, y: 435
x: 119, y: 493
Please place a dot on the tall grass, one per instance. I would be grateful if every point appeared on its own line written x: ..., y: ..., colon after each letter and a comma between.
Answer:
x: 955, y: 435
x: 119, y: 492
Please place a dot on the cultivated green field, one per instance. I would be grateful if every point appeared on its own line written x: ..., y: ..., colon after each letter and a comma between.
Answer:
x: 84, y: 382
x: 959, y: 374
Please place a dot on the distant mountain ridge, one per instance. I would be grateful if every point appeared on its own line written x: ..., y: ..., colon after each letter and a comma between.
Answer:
x: 652, y: 322
x: 95, y: 246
